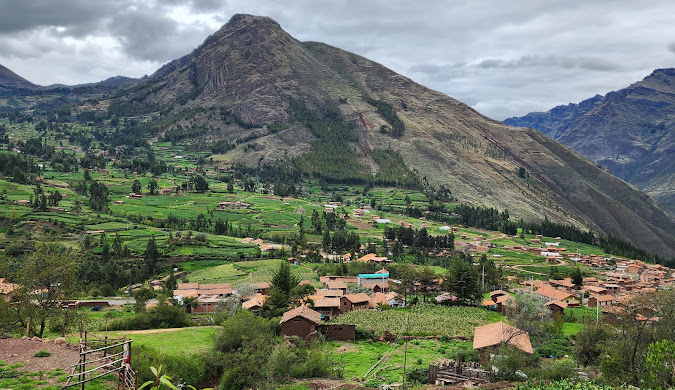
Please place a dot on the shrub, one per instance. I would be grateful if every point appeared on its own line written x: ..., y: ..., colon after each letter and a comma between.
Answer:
x: 556, y: 347
x: 466, y: 354
x: 418, y: 375
x: 42, y: 353
x: 241, y: 327
x: 555, y: 370
x: 161, y: 316
x: 363, y: 334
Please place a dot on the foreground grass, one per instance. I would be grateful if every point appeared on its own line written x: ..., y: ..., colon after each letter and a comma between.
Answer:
x: 13, y: 377
x: 178, y: 342
x: 357, y: 358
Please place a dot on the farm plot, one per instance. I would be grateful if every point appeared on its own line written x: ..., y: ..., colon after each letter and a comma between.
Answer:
x: 245, y: 271
x: 425, y: 320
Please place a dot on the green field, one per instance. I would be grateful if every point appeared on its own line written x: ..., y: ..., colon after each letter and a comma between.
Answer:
x: 15, y: 377
x: 422, y: 320
x: 357, y: 358
x: 246, y: 271
x: 176, y: 342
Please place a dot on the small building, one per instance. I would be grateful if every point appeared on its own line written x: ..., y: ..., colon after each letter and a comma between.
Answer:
x: 7, y: 289
x: 488, y: 339
x: 557, y: 307
x: 356, y: 302
x: 329, y: 307
x: 261, y: 287
x: 301, y: 322
x: 446, y: 299
x: 601, y: 300
x: 552, y: 294
x: 254, y: 303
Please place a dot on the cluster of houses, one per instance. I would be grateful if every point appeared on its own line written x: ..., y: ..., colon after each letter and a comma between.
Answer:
x: 628, y: 279
x: 333, y: 299
x: 208, y: 296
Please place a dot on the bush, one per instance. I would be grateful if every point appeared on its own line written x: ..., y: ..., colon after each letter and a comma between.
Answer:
x: 556, y: 347
x: 363, y: 334
x: 161, y: 316
x: 466, y: 354
x: 418, y: 375
x: 42, y: 353
x: 185, y: 368
x: 241, y: 327
x: 555, y: 370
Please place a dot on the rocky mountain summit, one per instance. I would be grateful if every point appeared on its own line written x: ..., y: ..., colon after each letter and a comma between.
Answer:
x: 630, y: 131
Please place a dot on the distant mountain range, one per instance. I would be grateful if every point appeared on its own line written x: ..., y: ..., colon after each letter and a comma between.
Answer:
x: 630, y: 131
x: 11, y: 84
x: 341, y: 118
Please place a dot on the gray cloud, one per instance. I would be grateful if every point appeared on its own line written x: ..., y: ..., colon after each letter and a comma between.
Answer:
x: 19, y: 16
x: 588, y: 63
x: 503, y: 59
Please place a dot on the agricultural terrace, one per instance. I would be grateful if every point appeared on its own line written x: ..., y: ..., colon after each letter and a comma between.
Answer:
x: 247, y: 271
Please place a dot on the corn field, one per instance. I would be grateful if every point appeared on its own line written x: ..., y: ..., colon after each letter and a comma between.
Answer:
x: 425, y: 320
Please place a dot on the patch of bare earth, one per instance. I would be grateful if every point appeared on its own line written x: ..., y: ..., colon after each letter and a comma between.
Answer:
x: 14, y: 351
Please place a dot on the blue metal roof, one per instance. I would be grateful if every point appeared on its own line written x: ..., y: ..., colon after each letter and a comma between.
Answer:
x: 373, y: 276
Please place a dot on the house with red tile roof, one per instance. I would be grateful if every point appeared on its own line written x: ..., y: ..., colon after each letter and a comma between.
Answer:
x: 487, y: 339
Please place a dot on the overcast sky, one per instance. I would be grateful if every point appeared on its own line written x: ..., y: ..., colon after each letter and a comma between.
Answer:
x: 504, y: 58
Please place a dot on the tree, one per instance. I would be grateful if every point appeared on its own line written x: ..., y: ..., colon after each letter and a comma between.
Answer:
x: 136, y: 187
x: 661, y: 362
x: 283, y: 279
x: 326, y: 240
x: 151, y: 254
x: 171, y: 284
x: 624, y: 360
x: 47, y: 278
x: 462, y: 280
x: 528, y: 313
x: 152, y: 186
x: 190, y: 303
x: 142, y: 296
x: 407, y: 275
x: 427, y: 279
x: 98, y: 201
x: 201, y: 185
x: 590, y: 343
x: 118, y: 247
x: 577, y: 277
x: 317, y: 225
x: 230, y: 188
x: 492, y: 274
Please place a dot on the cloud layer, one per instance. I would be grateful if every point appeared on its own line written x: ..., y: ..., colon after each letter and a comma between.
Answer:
x: 502, y: 58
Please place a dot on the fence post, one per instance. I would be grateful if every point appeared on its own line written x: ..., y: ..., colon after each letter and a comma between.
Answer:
x: 105, y: 345
x: 83, y: 367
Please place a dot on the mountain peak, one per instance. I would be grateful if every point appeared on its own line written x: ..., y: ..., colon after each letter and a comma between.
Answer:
x: 13, y: 80
x: 239, y: 20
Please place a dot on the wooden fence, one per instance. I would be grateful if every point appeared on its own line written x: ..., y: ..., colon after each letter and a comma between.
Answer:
x: 450, y: 372
x: 101, y: 356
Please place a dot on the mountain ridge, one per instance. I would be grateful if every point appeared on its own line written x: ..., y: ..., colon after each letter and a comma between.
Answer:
x: 631, y: 131
x: 251, y: 68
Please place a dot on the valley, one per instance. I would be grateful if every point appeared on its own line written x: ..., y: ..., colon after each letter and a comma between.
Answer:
x: 269, y: 213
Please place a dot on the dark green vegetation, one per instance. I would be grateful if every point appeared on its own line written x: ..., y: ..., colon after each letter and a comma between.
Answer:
x: 630, y: 131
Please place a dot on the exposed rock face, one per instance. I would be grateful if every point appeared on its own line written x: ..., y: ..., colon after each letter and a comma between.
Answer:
x: 251, y: 68
x: 630, y: 131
